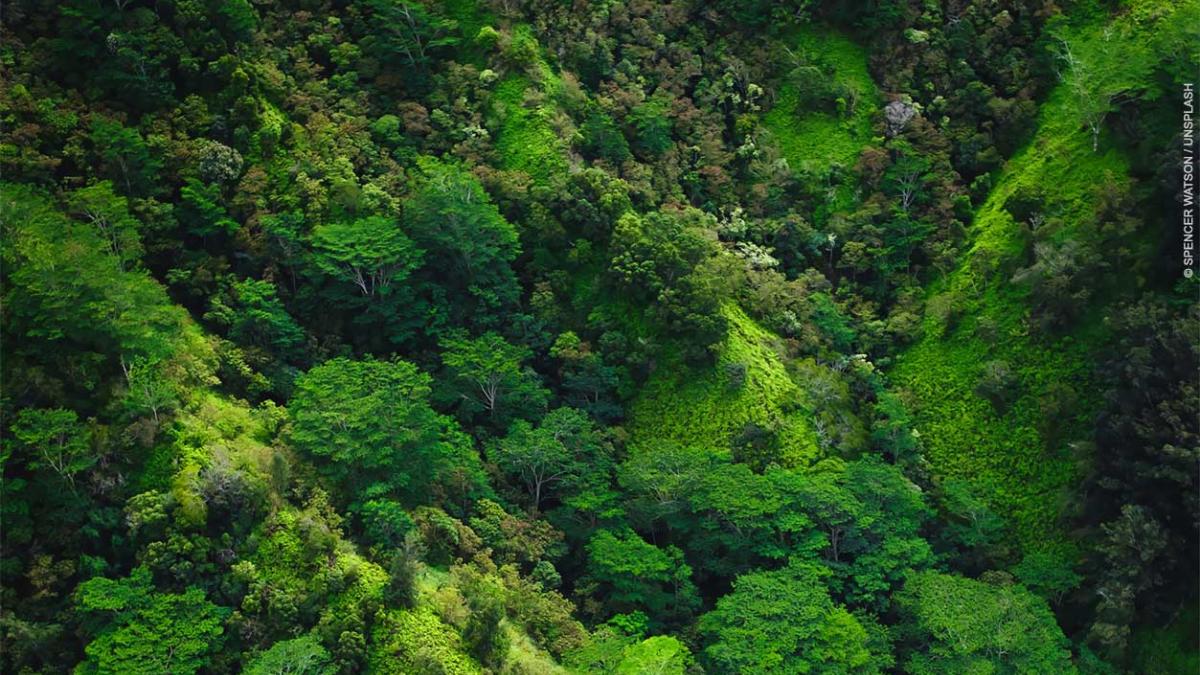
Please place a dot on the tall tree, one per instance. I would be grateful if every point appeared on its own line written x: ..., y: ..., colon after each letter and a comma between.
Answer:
x: 785, y: 622
x: 370, y: 253
x: 488, y: 375
x: 142, y: 631
x: 371, y: 424
x: 561, y: 457
x: 471, y: 247
x: 960, y: 625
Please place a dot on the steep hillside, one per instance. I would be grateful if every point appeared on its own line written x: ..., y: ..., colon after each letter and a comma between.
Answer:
x: 713, y: 406
x: 1026, y: 461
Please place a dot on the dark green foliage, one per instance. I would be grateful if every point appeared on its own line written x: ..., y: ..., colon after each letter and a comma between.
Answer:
x: 469, y: 246
x: 201, y: 210
x: 602, y: 138
x: 563, y: 459
x: 124, y: 157
x: 260, y: 320
x: 652, y: 127
x: 54, y: 441
x: 670, y: 261
x: 369, y: 253
x: 631, y: 574
x: 396, y: 336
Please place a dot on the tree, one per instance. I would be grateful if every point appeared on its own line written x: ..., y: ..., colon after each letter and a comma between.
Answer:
x: 660, y: 655
x: 488, y: 374
x: 148, y: 387
x: 892, y: 430
x: 299, y: 656
x: 57, y: 440
x: 672, y: 264
x: 891, y: 517
x: 109, y: 213
x: 971, y: 525
x: 484, y: 635
x: 1047, y: 573
x: 1133, y: 550
x: 602, y: 138
x: 1092, y: 96
x: 905, y: 180
x: 202, y: 211
x: 962, y: 625
x: 260, y: 320
x: 784, y: 621
x: 627, y: 574
x: 371, y: 253
x: 146, y: 632
x: 401, y: 589
x: 1060, y: 280
x: 371, y: 423
x: 125, y: 157
x: 470, y: 246
x: 652, y: 126
x: 999, y: 385
x: 562, y: 456
x: 410, y: 29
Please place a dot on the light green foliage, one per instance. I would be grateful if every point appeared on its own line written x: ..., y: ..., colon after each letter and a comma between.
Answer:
x: 669, y: 262
x: 372, y: 421
x: 969, y: 626
x: 694, y: 406
x: 631, y: 574
x: 370, y: 253
x: 298, y: 656
x: 303, y: 561
x: 56, y: 440
x: 201, y: 210
x: 148, y: 632
x: 526, y: 139
x: 149, y: 389
x: 488, y: 375
x: 661, y: 655
x: 814, y: 140
x: 785, y: 622
x: 412, y: 641
x: 109, y: 213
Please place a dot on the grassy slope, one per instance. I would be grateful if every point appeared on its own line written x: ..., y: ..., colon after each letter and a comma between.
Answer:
x: 1005, y: 456
x: 816, y: 140
x: 526, y: 140
x: 696, y: 405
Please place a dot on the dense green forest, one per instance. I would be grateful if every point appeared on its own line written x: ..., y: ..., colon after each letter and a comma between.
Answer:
x: 613, y: 336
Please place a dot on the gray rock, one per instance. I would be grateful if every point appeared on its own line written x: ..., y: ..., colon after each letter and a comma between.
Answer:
x: 897, y: 115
